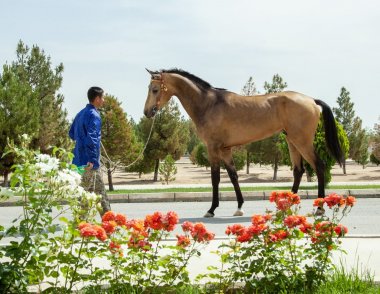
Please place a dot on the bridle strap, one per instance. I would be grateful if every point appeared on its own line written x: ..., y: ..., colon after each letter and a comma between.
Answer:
x: 163, y: 89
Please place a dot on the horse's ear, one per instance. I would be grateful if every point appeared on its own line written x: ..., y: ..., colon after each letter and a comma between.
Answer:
x: 149, y: 71
x: 154, y: 75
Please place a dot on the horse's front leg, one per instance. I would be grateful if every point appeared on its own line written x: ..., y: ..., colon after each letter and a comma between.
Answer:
x: 239, y: 196
x: 215, y: 180
x: 230, y: 167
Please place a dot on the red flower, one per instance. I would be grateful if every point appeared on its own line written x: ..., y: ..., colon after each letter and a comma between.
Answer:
x: 187, y: 226
x: 283, y: 204
x: 278, y: 236
x: 292, y: 221
x: 306, y: 227
x: 137, y: 225
x: 257, y: 230
x: 154, y: 221
x: 200, y: 233
x: 88, y: 231
x: 170, y: 221
x: 245, y: 236
x: 115, y: 248
x: 183, y: 241
x: 258, y: 219
x: 121, y: 219
x: 340, y: 230
x: 109, y: 226
x: 334, y: 199
x: 319, y: 202
x: 108, y: 216
x: 235, y: 229
x: 324, y: 226
x: 83, y: 225
x: 284, y: 200
x: 350, y: 200
x: 100, y: 233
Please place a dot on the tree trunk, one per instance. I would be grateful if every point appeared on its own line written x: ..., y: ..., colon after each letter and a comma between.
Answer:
x: 308, y: 177
x: 110, y: 184
x: 5, y: 174
x: 155, y: 179
x: 344, y: 166
x: 247, y: 162
x: 275, y: 170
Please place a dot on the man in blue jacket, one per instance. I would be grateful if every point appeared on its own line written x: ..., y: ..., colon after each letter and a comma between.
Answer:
x: 86, y: 132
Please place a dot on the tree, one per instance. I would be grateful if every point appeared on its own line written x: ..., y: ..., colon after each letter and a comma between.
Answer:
x: 170, y: 135
x: 34, y: 67
x: 320, y: 148
x: 249, y: 89
x: 375, y: 141
x: 359, y: 143
x: 193, y: 137
x: 272, y: 145
x: 345, y: 115
x: 168, y: 169
x: 29, y: 88
x: 19, y: 114
x: 373, y: 159
x: 118, y: 137
x: 200, y: 155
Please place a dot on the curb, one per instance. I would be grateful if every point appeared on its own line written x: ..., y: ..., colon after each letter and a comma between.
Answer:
x: 207, y: 196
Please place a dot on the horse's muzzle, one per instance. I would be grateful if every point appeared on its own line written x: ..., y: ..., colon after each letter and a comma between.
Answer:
x: 150, y: 114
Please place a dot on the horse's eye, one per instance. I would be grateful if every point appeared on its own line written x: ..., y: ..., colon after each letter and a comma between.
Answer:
x: 155, y: 91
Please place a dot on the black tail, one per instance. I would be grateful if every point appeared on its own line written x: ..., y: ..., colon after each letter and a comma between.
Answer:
x: 331, y: 134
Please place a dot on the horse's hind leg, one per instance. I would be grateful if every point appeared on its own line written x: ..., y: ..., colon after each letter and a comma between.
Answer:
x: 297, y: 165
x: 308, y: 152
x: 230, y: 167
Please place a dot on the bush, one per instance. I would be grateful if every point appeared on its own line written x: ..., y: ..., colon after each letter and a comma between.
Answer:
x: 280, y: 251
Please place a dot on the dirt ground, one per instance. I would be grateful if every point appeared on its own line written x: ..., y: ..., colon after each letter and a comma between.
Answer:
x: 187, y: 173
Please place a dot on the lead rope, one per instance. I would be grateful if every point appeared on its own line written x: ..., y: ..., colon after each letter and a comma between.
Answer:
x: 113, y: 164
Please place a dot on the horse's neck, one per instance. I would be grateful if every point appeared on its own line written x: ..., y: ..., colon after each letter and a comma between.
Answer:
x: 190, y: 96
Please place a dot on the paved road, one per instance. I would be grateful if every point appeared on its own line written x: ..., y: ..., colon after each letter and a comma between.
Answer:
x: 363, y: 220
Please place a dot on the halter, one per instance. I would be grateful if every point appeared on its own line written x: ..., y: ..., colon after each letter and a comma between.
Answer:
x: 163, y: 89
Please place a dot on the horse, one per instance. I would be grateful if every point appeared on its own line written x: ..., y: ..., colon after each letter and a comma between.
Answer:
x: 224, y: 119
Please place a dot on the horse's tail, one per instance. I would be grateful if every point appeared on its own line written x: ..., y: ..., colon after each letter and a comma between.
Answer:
x: 331, y: 133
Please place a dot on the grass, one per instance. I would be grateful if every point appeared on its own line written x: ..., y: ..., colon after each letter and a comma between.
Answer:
x: 244, y: 189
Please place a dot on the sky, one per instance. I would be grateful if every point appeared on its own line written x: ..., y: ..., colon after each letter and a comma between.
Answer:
x: 316, y: 46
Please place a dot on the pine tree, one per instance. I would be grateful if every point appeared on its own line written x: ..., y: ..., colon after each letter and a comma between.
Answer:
x: 34, y: 67
x: 345, y: 115
x: 118, y: 136
x: 376, y: 141
x: 249, y: 89
x: 19, y: 114
x: 170, y: 135
x: 168, y: 169
x: 272, y: 145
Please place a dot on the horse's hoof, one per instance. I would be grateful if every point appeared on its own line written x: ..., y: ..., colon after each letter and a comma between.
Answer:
x: 320, y: 211
x: 239, y: 212
x: 209, y: 214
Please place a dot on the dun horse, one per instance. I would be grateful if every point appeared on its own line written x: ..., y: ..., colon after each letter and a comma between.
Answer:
x: 224, y: 119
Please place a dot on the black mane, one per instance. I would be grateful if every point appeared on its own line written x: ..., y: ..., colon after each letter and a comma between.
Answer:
x: 196, y: 80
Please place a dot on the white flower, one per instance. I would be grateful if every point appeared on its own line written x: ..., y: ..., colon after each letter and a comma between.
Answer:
x: 46, y: 163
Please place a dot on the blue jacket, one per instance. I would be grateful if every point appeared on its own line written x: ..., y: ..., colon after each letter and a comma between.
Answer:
x: 86, y: 132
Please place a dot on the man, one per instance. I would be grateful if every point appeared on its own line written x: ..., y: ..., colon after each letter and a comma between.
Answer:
x: 86, y: 132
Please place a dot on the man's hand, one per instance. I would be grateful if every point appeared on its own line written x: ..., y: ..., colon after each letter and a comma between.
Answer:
x: 89, y: 166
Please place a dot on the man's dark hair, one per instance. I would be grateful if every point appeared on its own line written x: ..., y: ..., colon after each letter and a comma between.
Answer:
x: 93, y: 92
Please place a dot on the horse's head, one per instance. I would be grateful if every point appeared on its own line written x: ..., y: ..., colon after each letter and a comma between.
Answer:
x: 158, y: 94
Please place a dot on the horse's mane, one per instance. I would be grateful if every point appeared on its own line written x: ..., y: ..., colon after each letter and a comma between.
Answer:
x: 198, y: 81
